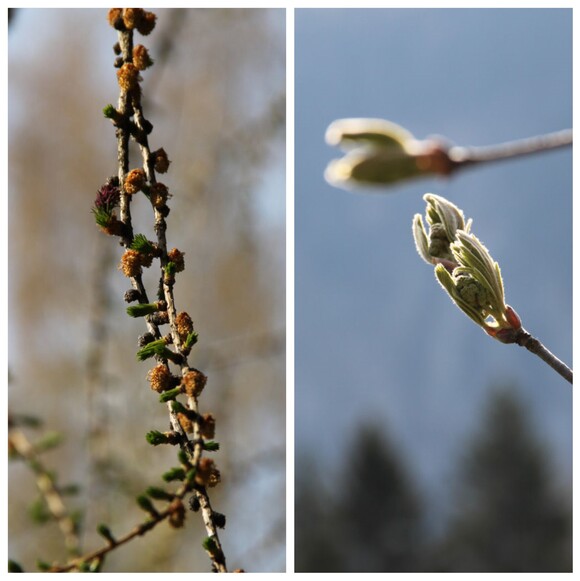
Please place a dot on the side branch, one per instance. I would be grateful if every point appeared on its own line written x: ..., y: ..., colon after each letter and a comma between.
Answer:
x: 137, y: 531
x: 382, y: 153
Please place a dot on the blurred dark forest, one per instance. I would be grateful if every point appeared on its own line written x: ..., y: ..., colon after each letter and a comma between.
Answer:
x: 216, y: 98
x: 508, y: 514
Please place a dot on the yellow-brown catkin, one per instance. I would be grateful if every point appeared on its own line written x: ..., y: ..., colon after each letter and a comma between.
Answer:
x: 207, y: 474
x: 130, y: 263
x: 147, y: 23
x: 185, y: 422
x: 176, y: 513
x: 160, y: 378
x: 184, y: 325
x: 128, y: 77
x: 208, y: 426
x: 193, y: 382
x: 114, y: 15
x: 159, y: 194
x: 176, y: 256
x: 132, y: 17
x: 141, y: 58
x: 134, y: 181
x: 161, y: 161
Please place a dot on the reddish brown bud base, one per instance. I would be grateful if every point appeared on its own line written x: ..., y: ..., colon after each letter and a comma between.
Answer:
x: 513, y: 318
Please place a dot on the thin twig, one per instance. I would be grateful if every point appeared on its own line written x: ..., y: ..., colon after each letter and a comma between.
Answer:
x: 536, y: 347
x: 467, y: 156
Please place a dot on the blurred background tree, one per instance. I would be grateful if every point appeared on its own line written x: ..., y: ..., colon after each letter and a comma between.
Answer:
x: 379, y: 507
x: 509, y: 516
x: 216, y: 98
x: 317, y: 548
x: 371, y: 523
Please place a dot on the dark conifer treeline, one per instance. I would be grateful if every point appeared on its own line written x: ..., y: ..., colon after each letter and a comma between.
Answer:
x: 508, y: 514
